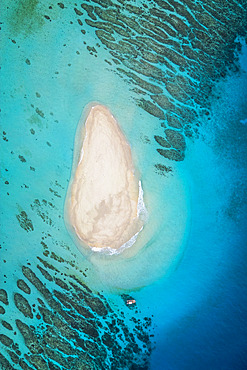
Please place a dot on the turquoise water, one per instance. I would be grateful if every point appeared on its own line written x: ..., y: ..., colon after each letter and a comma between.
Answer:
x: 61, y: 309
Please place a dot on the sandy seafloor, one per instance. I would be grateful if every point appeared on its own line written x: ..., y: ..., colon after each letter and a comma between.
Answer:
x: 187, y: 270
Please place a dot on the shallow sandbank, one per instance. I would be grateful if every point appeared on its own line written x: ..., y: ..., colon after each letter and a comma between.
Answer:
x: 104, y: 199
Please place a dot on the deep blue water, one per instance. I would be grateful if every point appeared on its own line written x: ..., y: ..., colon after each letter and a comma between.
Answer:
x: 187, y: 270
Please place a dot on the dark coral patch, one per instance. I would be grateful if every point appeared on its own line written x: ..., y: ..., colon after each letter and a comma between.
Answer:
x: 151, y: 108
x: 22, y: 159
x: 2, y: 310
x: 5, y: 340
x: 161, y: 169
x: 6, y: 325
x: 23, y: 286
x: 23, y: 305
x: 160, y: 140
x: 176, y: 139
x: 172, y: 154
x: 4, y: 296
x: 24, y: 222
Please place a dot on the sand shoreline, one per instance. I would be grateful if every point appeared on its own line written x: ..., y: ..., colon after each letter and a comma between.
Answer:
x: 103, y: 204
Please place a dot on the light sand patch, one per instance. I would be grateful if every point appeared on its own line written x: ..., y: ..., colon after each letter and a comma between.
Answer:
x: 103, y: 207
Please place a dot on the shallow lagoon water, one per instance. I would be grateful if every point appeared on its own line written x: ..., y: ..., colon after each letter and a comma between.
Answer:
x: 187, y: 270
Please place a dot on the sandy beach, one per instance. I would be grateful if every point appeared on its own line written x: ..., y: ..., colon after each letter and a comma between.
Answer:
x: 103, y: 203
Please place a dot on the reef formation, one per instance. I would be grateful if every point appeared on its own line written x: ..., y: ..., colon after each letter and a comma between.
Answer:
x: 69, y: 326
x: 171, y: 54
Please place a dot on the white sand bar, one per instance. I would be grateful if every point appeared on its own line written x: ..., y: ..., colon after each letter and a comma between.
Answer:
x: 103, y: 203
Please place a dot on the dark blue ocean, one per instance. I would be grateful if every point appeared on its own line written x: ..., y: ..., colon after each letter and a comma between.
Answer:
x: 174, y: 75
